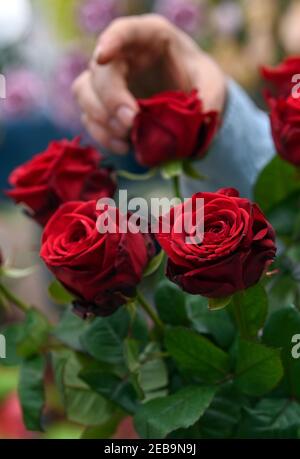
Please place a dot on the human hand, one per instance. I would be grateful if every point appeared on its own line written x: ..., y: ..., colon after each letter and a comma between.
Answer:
x: 137, y: 57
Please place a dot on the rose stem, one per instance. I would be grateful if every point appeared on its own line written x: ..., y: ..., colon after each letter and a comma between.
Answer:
x: 176, y: 186
x: 239, y: 316
x: 13, y: 299
x: 149, y: 310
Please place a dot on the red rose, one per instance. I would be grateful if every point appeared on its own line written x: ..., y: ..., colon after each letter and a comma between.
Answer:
x: 172, y: 125
x: 64, y: 172
x: 280, y: 77
x: 285, y: 122
x: 238, y: 245
x: 99, y: 269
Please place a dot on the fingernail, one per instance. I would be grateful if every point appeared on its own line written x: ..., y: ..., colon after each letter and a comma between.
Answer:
x: 117, y: 127
x: 118, y: 146
x: 126, y: 115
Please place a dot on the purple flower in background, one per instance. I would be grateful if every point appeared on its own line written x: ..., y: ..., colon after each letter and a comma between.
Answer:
x: 25, y: 93
x: 95, y: 15
x: 228, y: 18
x: 65, y: 109
x: 185, y: 14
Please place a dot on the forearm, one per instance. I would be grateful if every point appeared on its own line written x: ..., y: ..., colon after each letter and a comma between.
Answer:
x: 241, y: 149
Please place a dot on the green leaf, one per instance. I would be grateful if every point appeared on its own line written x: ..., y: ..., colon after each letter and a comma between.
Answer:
x: 152, y: 375
x: 271, y: 418
x: 218, y: 324
x: 59, y: 294
x: 159, y: 417
x: 172, y: 169
x: 279, y: 331
x: 215, y: 304
x: 190, y: 170
x: 281, y: 291
x: 103, y: 340
x: 259, y: 368
x: 33, y: 335
x: 223, y: 416
x: 197, y: 355
x: 70, y: 329
x: 170, y: 303
x: 83, y: 405
x: 277, y: 181
x: 103, y: 431
x: 283, y: 216
x: 31, y: 392
x: 118, y: 391
x: 254, y: 308
x: 154, y: 264
x: 131, y: 352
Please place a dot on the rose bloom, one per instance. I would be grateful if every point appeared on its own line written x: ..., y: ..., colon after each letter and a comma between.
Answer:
x: 172, y: 125
x: 237, y: 248
x: 66, y: 171
x: 101, y: 270
x: 285, y: 122
x: 280, y: 78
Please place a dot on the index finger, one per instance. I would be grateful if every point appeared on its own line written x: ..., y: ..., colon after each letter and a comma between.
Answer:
x: 147, y: 30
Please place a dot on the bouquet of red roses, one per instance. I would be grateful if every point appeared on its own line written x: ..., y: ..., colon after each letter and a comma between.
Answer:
x: 184, y: 322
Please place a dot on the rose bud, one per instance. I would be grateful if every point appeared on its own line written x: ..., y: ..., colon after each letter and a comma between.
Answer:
x: 101, y: 270
x: 285, y: 122
x: 238, y: 244
x: 66, y: 171
x: 280, y: 78
x: 172, y: 125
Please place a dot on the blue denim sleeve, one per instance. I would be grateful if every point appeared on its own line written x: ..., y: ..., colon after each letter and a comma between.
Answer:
x: 242, y: 147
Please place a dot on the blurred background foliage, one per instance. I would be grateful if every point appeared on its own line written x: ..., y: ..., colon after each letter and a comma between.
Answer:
x: 44, y: 45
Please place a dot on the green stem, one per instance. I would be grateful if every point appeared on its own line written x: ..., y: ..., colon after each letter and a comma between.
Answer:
x: 239, y: 316
x: 176, y: 187
x: 150, y: 311
x: 14, y: 299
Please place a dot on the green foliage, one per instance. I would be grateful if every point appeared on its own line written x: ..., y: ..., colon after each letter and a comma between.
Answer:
x: 154, y: 264
x: 168, y: 295
x: 216, y: 323
x: 59, y: 294
x: 279, y: 331
x: 159, y: 417
x: 215, y: 304
x: 258, y: 368
x: 197, y: 355
x: 103, y: 431
x: 31, y: 392
x: 277, y: 181
x: 33, y: 334
x: 103, y: 340
x: 69, y: 330
x: 254, y: 309
x: 111, y: 387
x: 82, y: 405
x: 223, y: 416
x: 271, y: 418
x: 210, y: 368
